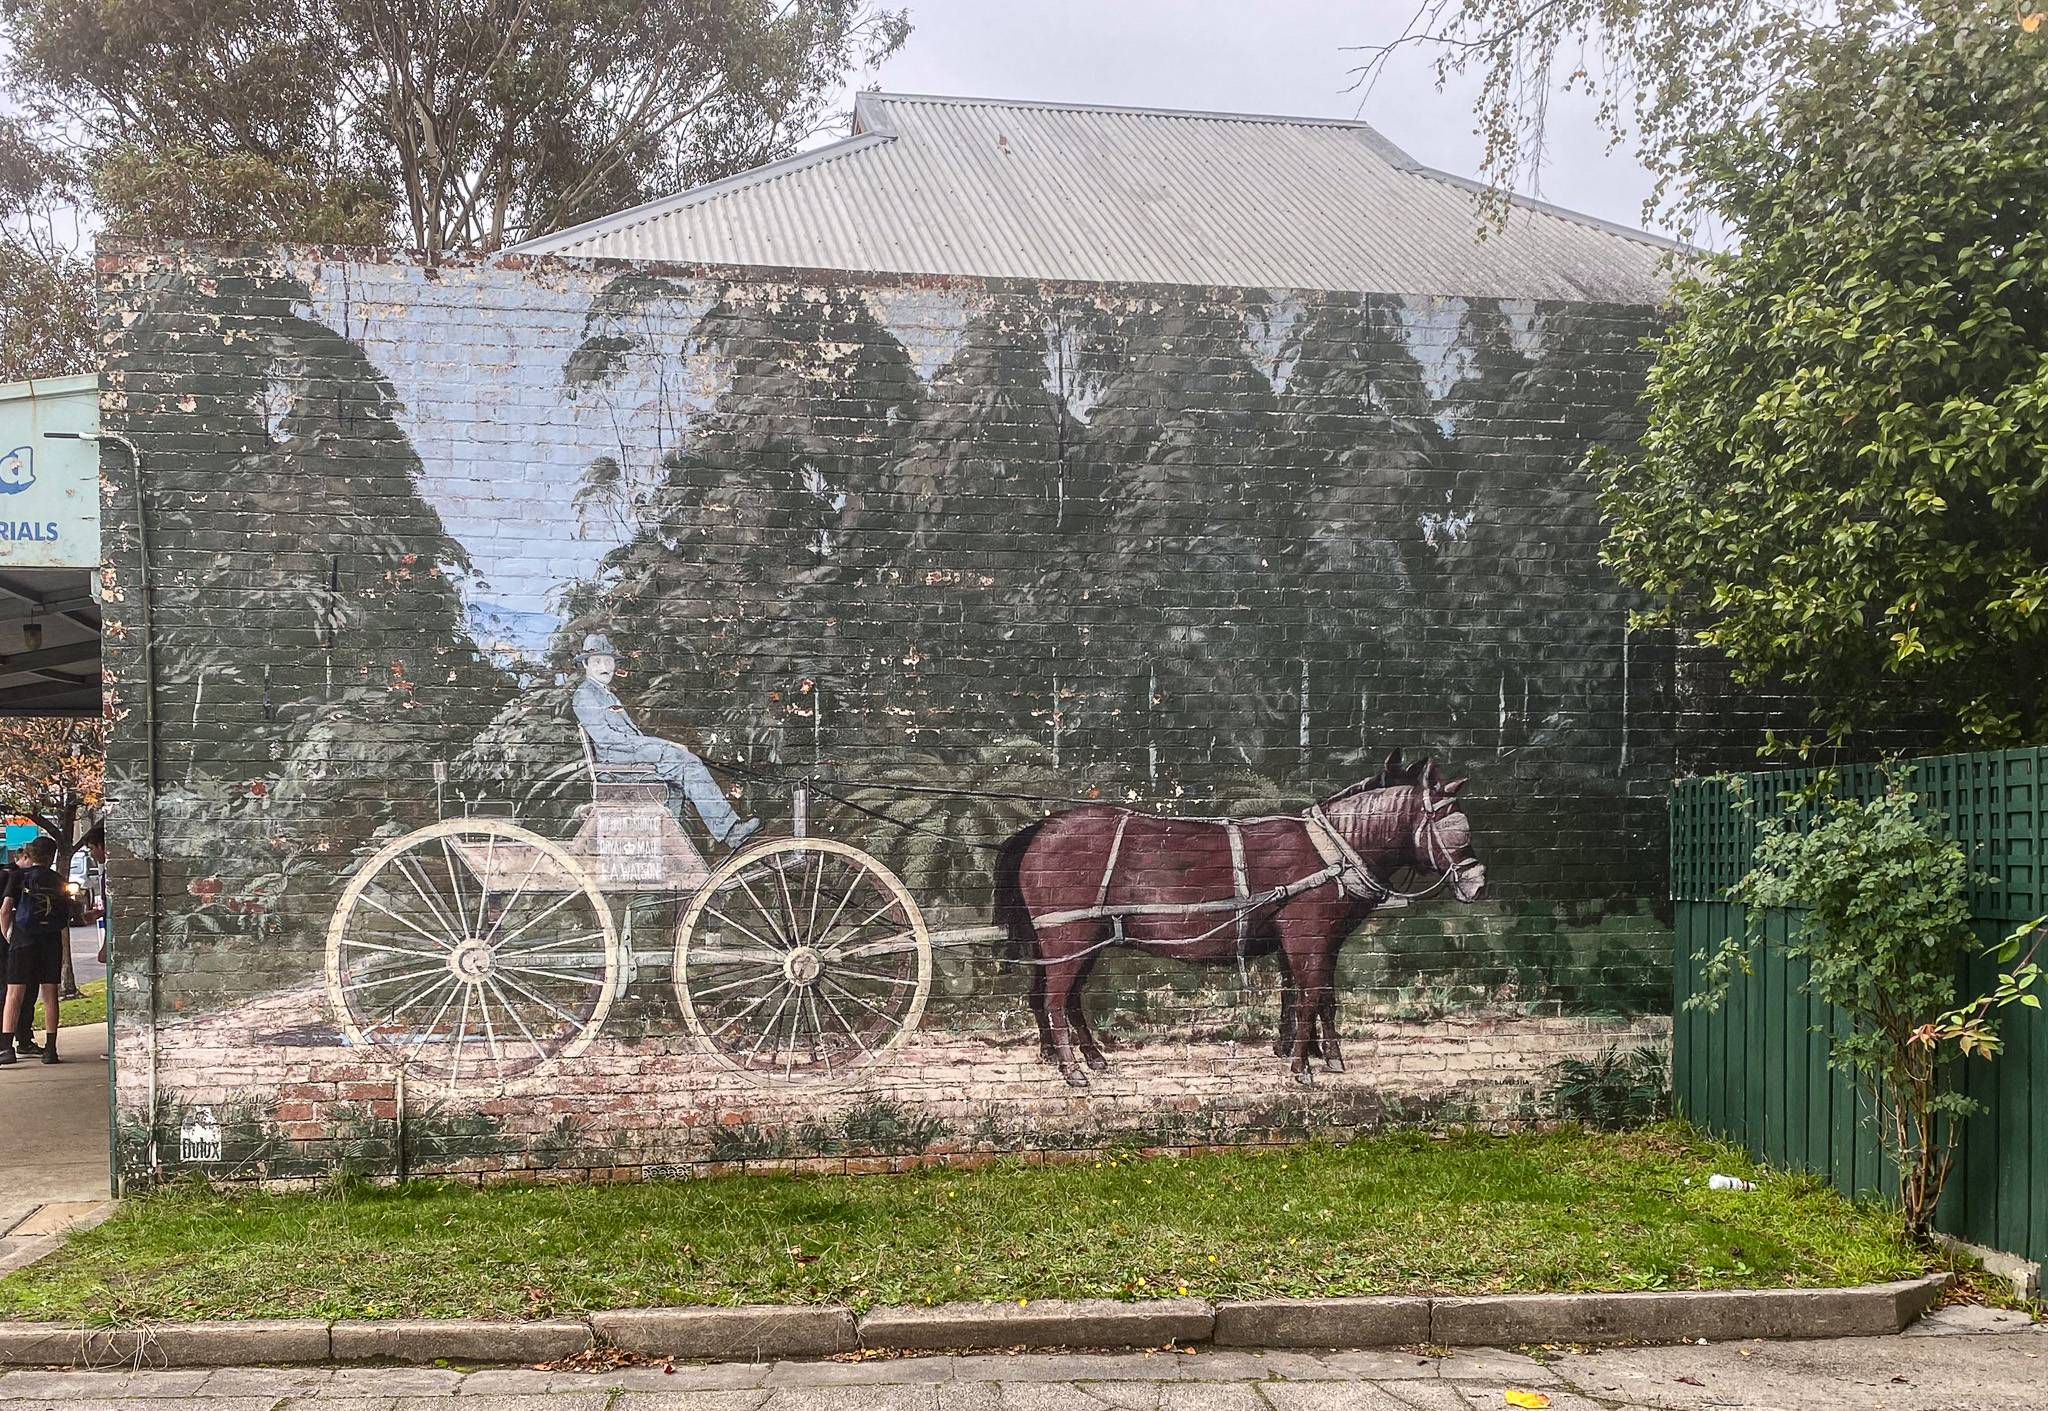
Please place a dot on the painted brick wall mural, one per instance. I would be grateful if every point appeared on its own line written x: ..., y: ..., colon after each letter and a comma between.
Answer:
x: 620, y: 720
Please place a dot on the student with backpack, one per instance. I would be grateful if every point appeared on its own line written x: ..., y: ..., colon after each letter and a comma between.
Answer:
x: 35, y: 916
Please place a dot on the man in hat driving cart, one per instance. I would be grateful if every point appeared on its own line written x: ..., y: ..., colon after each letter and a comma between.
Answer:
x: 615, y: 739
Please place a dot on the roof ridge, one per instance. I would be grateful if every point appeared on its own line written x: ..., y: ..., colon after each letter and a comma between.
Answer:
x: 1129, y: 109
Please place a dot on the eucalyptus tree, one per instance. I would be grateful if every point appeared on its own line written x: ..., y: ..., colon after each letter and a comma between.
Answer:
x: 449, y: 126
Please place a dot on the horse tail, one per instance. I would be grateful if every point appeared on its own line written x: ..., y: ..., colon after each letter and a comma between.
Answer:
x: 1020, y: 939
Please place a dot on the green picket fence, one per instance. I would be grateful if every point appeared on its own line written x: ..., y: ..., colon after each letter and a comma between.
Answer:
x: 1756, y: 1071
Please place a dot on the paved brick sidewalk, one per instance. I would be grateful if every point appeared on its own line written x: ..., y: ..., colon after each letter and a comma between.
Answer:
x: 1948, y: 1367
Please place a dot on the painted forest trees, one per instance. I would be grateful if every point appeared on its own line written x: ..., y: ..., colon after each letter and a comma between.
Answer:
x: 755, y: 558
x: 1571, y: 678
x: 1216, y: 553
x: 1375, y: 484
x: 895, y: 522
x: 322, y: 685
x: 977, y: 617
x: 1193, y: 567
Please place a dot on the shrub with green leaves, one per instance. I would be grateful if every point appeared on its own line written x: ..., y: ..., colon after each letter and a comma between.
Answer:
x: 1841, y: 485
x: 1882, y: 921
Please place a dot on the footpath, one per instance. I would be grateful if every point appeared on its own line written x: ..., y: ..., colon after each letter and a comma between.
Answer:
x: 1960, y: 1359
x: 53, y: 1177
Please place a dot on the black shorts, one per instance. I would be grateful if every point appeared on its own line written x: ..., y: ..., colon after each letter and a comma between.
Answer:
x: 35, y: 960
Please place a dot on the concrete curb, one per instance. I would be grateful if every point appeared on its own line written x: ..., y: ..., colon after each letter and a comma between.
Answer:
x: 1047, y: 1322
x: 758, y: 1333
x: 1718, y: 1315
x: 1324, y: 1322
x: 457, y: 1340
x: 766, y: 1332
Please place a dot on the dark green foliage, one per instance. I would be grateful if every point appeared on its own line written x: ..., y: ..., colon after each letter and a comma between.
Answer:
x: 746, y: 570
x: 1161, y: 539
x: 1613, y: 1090
x: 940, y: 843
x: 529, y: 757
x: 360, y: 1147
x: 1841, y: 485
x: 1882, y: 931
x: 870, y: 1126
x: 566, y: 1143
x: 818, y: 1138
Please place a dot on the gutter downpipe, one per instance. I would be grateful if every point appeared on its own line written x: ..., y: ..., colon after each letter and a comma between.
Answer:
x: 149, y: 817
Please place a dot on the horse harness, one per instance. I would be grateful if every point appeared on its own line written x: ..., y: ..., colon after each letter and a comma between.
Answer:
x: 1341, y: 865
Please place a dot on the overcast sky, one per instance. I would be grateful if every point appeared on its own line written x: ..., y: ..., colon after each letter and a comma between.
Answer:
x: 1249, y: 56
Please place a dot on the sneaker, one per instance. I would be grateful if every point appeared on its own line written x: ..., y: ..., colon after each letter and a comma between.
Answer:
x: 26, y: 1043
x: 6, y: 1054
x: 50, y: 1053
x: 736, y: 837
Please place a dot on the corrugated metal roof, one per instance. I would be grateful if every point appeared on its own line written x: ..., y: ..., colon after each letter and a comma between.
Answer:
x: 973, y: 186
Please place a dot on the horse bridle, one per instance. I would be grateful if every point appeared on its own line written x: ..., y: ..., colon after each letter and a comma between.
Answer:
x: 1426, y: 842
x: 1426, y: 834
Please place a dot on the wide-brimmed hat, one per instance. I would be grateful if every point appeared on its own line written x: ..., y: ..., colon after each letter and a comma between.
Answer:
x: 597, y: 645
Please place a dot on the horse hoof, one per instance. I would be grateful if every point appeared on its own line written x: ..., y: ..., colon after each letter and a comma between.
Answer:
x: 1097, y: 1062
x: 1335, y: 1065
x: 1305, y: 1077
x: 1075, y: 1077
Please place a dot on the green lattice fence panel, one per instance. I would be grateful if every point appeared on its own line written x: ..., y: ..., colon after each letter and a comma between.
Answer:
x: 1994, y: 807
x: 1756, y: 1069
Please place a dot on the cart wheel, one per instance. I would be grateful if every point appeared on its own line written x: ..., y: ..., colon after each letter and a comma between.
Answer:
x: 802, y: 959
x: 472, y: 949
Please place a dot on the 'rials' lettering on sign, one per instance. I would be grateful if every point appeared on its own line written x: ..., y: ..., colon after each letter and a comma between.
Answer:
x: 28, y: 531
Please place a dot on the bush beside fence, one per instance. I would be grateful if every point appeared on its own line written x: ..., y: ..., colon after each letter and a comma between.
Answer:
x: 1756, y: 1071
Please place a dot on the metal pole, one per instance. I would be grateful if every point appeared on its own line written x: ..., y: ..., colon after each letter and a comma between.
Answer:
x: 149, y: 788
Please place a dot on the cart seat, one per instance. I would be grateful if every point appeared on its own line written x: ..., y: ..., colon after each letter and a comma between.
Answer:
x: 620, y: 783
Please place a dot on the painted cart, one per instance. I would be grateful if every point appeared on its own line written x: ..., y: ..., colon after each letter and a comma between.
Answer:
x: 479, y: 949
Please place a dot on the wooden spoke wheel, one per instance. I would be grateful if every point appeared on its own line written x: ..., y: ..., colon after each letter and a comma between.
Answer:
x: 802, y: 959
x: 472, y: 950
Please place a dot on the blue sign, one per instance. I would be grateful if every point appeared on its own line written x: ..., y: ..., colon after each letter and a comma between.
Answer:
x: 49, y: 477
x: 20, y: 835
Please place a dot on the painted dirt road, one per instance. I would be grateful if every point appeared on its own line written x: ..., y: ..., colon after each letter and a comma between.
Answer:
x: 652, y: 1100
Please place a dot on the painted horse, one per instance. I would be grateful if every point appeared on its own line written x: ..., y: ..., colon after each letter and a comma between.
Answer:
x: 1225, y: 891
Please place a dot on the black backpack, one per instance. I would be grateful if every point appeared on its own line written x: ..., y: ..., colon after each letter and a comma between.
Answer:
x: 42, y: 907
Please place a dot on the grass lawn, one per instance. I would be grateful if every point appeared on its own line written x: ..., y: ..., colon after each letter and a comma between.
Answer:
x: 89, y: 1008
x: 1398, y: 1213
